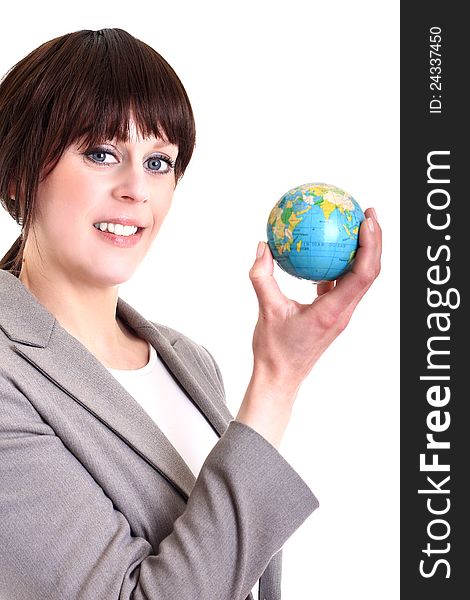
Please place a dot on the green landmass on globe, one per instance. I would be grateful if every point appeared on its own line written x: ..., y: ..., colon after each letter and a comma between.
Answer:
x: 313, y: 231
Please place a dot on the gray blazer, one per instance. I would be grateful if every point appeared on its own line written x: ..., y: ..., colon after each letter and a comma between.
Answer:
x: 96, y: 504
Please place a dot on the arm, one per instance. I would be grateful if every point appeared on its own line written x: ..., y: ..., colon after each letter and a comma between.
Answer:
x: 61, y: 536
x: 289, y: 337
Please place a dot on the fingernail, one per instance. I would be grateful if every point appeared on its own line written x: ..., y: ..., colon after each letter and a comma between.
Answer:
x: 260, y: 250
x: 374, y: 214
x: 370, y: 224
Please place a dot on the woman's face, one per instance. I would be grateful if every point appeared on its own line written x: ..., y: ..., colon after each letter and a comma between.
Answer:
x: 90, y: 195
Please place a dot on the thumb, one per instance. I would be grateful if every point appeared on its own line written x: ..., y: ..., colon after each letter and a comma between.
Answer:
x: 261, y: 276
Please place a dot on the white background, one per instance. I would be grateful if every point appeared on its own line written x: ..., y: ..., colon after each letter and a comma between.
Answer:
x: 284, y: 93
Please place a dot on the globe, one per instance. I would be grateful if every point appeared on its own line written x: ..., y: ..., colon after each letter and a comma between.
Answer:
x: 313, y: 231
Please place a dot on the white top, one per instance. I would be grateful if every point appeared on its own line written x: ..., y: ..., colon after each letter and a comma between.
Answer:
x: 186, y: 428
x: 160, y: 396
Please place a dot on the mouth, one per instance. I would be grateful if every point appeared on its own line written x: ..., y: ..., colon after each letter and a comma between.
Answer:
x: 119, y: 235
x: 118, y: 229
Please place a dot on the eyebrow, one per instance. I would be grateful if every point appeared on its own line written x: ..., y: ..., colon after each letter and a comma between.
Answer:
x: 157, y: 146
x: 164, y: 144
x: 160, y: 145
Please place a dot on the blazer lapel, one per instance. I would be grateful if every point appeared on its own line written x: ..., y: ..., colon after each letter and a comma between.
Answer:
x: 43, y: 342
x: 177, y: 355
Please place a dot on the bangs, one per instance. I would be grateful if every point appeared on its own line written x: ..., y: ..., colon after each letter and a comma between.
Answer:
x: 121, y: 76
x: 96, y: 81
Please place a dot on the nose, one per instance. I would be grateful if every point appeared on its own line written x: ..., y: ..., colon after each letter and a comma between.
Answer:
x: 132, y: 185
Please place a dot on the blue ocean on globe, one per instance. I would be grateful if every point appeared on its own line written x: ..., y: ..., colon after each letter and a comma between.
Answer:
x: 313, y: 231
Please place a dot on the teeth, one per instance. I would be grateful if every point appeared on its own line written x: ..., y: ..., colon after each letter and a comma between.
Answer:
x: 117, y: 228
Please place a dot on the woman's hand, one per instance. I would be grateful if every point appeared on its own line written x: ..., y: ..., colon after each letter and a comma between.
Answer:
x: 289, y: 337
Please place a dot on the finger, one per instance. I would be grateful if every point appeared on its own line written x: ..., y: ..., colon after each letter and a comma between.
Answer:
x: 324, y: 286
x: 353, y: 285
x: 370, y: 212
x: 261, y: 276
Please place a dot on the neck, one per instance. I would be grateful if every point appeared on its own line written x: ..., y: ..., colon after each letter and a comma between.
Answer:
x: 86, y: 311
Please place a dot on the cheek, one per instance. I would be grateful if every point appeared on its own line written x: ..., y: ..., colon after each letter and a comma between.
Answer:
x: 161, y: 207
x: 63, y: 200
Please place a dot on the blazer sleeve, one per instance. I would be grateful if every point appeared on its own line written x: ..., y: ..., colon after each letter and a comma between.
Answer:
x: 61, y: 536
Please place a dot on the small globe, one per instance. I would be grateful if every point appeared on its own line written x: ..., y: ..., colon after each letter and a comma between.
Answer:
x: 313, y: 231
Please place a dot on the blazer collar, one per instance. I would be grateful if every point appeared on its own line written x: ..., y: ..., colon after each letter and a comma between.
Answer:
x: 40, y: 339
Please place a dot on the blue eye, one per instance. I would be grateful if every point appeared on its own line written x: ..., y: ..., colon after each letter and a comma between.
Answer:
x: 99, y: 156
x: 159, y: 165
x: 156, y: 164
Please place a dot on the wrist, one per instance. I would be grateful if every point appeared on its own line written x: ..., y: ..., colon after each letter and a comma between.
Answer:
x: 274, y: 383
x: 267, y: 406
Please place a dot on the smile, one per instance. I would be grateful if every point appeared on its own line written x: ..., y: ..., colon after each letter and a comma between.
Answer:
x: 122, y: 236
x: 117, y: 228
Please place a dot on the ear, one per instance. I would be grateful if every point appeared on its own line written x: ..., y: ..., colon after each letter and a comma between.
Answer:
x: 12, y: 195
x: 12, y: 191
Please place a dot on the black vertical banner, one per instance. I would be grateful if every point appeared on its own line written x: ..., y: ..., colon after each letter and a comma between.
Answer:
x: 435, y: 324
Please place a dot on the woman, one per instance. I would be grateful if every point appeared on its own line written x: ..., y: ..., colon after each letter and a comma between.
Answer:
x: 123, y: 473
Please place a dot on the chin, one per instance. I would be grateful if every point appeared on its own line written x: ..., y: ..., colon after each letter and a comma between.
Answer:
x: 117, y: 278
x: 110, y: 276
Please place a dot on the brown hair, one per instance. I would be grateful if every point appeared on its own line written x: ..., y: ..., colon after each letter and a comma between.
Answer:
x: 84, y: 85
